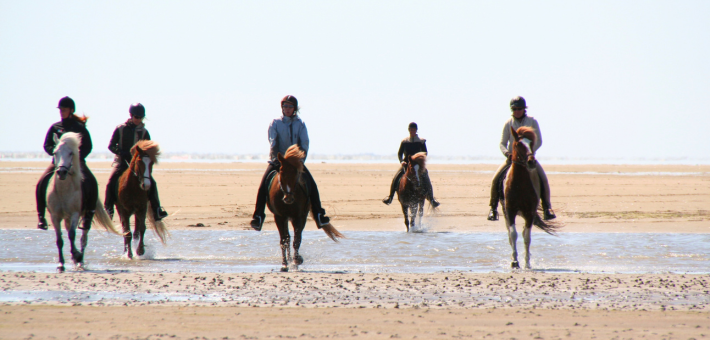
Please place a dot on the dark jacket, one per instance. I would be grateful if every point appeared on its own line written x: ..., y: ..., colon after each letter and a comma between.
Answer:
x: 68, y: 125
x: 124, y: 137
x: 409, y: 147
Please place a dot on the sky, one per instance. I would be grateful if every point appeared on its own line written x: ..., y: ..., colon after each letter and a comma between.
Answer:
x: 618, y: 79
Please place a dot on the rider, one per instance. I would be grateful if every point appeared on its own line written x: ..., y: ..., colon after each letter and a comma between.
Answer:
x: 124, y: 137
x: 518, y: 119
x: 284, y: 132
x: 89, y: 187
x: 410, y: 146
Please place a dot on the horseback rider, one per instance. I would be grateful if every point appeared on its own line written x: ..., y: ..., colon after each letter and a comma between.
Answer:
x: 284, y: 132
x: 124, y: 137
x: 89, y: 187
x: 410, y: 146
x: 518, y: 119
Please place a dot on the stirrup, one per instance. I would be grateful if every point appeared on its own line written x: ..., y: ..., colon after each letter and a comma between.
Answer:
x: 42, y: 224
x: 322, y: 220
x: 434, y: 203
x: 387, y: 200
x: 257, y: 222
x: 549, y: 214
x: 493, y: 215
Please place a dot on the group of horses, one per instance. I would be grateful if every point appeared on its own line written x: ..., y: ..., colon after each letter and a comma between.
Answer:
x: 288, y: 198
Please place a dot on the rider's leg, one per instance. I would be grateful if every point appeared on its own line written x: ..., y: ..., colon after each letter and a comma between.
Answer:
x: 90, y: 196
x: 430, y: 190
x: 548, y: 213
x: 316, y: 207
x: 258, y: 217
x: 393, y: 187
x: 41, y: 196
x: 111, y: 192
x: 495, y: 195
x: 158, y: 212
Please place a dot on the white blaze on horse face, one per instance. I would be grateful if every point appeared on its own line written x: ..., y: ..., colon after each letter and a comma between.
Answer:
x: 288, y: 189
x: 527, y: 142
x: 146, y: 174
x: 416, y: 171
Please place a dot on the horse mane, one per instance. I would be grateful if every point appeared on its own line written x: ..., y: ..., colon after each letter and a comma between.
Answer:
x: 527, y: 132
x: 420, y: 158
x: 294, y: 156
x: 72, y: 140
x: 151, y: 148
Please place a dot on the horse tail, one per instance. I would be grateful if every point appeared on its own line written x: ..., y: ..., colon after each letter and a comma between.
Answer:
x: 333, y: 233
x: 159, y: 227
x: 102, y: 217
x: 549, y: 227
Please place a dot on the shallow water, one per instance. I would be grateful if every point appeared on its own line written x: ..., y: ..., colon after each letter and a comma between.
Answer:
x: 369, y: 252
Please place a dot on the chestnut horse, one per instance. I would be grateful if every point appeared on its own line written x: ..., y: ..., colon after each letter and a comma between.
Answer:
x: 288, y: 201
x: 133, y: 187
x: 411, y: 192
x: 64, y: 198
x: 521, y: 193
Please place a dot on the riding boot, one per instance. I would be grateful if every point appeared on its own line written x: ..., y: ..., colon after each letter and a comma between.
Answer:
x: 393, y: 187
x: 430, y: 190
x: 548, y: 213
x: 111, y: 194
x: 495, y: 190
x: 258, y: 217
x: 158, y: 212
x: 314, y: 195
x: 88, y: 218
x: 41, y: 197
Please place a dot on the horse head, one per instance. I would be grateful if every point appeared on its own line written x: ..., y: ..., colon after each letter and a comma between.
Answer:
x: 525, y: 139
x: 145, y: 154
x: 65, y: 154
x: 290, y: 173
x: 416, y: 167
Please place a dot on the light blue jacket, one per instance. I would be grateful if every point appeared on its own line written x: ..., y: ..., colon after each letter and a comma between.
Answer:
x: 287, y: 131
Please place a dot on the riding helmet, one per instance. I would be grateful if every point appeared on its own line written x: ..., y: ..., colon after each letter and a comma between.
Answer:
x: 291, y: 99
x: 66, y: 102
x: 137, y: 110
x: 518, y: 101
x: 413, y: 125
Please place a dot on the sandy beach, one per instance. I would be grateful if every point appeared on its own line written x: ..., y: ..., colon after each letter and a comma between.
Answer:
x: 520, y: 305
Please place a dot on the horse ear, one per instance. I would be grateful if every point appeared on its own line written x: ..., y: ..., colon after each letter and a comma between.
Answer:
x: 280, y: 157
x: 515, y: 134
x: 56, y: 139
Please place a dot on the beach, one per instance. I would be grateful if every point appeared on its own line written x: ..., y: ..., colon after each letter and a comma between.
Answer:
x: 520, y: 305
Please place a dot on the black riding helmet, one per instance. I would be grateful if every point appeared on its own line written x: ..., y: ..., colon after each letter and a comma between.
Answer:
x: 66, y: 102
x: 291, y: 99
x: 137, y: 110
x: 518, y: 102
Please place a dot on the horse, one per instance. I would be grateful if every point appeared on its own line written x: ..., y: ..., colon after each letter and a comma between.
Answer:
x: 411, y: 192
x: 289, y: 201
x: 521, y: 193
x: 133, y: 187
x: 64, y: 199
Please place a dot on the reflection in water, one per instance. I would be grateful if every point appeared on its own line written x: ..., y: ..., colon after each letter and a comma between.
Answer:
x: 373, y: 252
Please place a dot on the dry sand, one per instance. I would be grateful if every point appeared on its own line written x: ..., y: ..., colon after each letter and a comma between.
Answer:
x: 525, y: 305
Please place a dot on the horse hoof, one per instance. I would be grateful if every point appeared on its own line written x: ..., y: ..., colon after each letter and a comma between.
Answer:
x: 298, y: 260
x: 79, y: 267
x: 515, y: 265
x: 284, y: 269
x: 60, y: 269
x: 140, y: 251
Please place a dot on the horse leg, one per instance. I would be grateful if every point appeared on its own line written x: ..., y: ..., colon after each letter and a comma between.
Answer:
x: 77, y: 256
x: 526, y: 237
x: 127, y: 236
x: 140, y: 232
x: 512, y: 238
x: 421, y: 211
x: 413, y: 216
x: 60, y: 243
x: 405, y: 211
x: 282, y: 225
x: 298, y: 226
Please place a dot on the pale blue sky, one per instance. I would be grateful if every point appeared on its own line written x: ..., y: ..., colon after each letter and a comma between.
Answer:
x: 603, y: 78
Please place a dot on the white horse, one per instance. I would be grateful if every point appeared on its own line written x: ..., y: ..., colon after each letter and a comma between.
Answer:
x: 64, y: 198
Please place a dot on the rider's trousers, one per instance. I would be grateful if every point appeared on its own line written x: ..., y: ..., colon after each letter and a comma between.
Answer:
x: 545, y: 185
x: 89, y: 189
x: 426, y: 180
x: 112, y: 186
x: 263, y: 193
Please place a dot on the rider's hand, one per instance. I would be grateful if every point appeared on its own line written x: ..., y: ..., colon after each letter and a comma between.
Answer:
x: 509, y: 156
x: 404, y: 163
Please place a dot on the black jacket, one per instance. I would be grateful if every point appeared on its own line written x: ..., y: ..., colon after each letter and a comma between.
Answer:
x: 68, y: 125
x: 124, y: 137
x: 409, y: 148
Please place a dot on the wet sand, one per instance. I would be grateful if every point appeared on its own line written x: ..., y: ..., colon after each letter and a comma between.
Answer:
x: 521, y: 305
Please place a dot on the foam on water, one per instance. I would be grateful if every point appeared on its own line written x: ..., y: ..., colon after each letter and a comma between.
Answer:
x: 374, y: 252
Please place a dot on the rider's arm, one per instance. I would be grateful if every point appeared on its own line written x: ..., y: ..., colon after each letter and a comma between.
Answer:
x: 536, y: 128
x: 424, y: 147
x: 113, y: 144
x: 147, y: 135
x: 86, y: 145
x: 505, y: 138
x: 303, y: 138
x: 49, y: 144
x: 273, y: 139
x: 400, y: 153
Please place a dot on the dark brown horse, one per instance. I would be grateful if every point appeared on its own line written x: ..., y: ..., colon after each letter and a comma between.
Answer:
x: 412, y: 192
x: 133, y: 186
x: 288, y: 200
x: 521, y: 193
